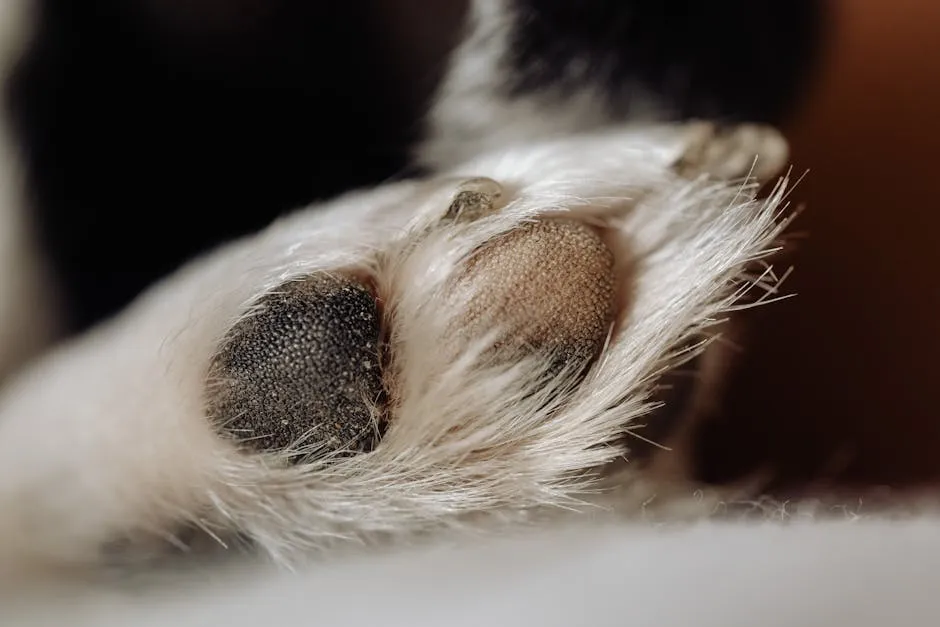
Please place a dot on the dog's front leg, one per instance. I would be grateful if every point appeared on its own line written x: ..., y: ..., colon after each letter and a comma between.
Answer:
x: 109, y: 446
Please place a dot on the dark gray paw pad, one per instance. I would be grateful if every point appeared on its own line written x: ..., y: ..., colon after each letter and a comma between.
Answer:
x: 302, y: 371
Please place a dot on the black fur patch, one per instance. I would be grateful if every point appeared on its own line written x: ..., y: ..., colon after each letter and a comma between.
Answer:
x: 726, y: 60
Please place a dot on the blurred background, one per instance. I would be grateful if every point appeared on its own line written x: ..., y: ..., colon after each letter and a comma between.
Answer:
x: 838, y: 382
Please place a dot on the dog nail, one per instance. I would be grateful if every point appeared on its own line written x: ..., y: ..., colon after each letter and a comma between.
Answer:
x: 474, y: 199
x: 302, y: 370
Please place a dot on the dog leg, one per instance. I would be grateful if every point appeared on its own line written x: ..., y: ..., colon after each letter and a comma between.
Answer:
x: 129, y: 452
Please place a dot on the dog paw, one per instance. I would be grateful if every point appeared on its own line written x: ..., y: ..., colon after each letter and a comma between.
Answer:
x: 744, y: 151
x: 462, y: 351
x: 301, y: 373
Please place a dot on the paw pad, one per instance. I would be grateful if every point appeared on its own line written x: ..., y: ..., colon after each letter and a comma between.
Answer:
x: 301, y: 372
x: 549, y: 284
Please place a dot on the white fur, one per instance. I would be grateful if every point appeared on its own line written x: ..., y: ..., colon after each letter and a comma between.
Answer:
x: 472, y: 97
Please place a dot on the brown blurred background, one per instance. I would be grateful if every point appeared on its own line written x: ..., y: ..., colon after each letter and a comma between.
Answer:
x: 839, y: 381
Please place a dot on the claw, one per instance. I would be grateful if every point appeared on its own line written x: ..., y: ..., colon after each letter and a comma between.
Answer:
x: 474, y: 199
